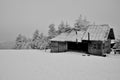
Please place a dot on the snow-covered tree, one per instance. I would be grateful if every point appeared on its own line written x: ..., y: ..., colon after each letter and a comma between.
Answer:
x: 61, y: 27
x: 41, y: 35
x: 36, y: 35
x: 67, y: 27
x: 39, y: 41
x: 52, y: 31
x: 35, y: 39
x: 28, y: 44
x: 21, y: 42
x: 81, y: 23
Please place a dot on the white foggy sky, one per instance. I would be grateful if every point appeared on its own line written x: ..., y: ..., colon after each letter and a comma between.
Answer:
x: 25, y: 16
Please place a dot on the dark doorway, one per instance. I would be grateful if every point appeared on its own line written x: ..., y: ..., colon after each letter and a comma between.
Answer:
x: 76, y: 46
x: 112, y: 44
x: 73, y: 46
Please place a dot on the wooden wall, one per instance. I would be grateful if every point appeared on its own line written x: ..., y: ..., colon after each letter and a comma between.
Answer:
x: 54, y: 46
x: 95, y: 47
x: 99, y: 47
x: 107, y: 46
x: 58, y: 46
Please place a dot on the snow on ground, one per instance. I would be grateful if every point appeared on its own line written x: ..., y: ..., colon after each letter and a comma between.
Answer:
x: 40, y: 65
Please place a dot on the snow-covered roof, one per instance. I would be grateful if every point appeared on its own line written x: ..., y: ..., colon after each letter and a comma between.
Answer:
x: 61, y: 37
x: 72, y: 36
x: 75, y: 35
x: 97, y: 32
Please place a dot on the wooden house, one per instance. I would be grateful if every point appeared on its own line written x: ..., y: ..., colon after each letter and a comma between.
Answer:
x: 95, y: 40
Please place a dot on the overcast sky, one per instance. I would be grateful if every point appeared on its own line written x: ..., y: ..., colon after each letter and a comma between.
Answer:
x: 25, y: 16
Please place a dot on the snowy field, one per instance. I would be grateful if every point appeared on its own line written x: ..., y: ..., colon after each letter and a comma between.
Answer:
x: 41, y: 65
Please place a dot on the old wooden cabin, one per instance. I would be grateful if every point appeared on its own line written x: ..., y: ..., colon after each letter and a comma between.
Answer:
x: 95, y: 40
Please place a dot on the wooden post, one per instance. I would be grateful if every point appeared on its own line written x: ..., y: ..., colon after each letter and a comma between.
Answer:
x: 76, y: 32
x: 88, y: 36
x: 76, y: 37
x: 88, y: 42
x: 58, y: 46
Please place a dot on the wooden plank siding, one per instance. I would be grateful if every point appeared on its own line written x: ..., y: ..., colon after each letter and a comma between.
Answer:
x: 95, y: 47
x: 58, y: 46
x: 99, y: 47
x: 107, y: 46
x: 54, y: 46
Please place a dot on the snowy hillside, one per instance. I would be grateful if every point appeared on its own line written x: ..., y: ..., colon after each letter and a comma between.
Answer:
x: 38, y: 65
x: 7, y: 45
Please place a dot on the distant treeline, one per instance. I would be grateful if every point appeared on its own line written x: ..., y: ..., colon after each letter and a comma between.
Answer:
x: 40, y: 41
